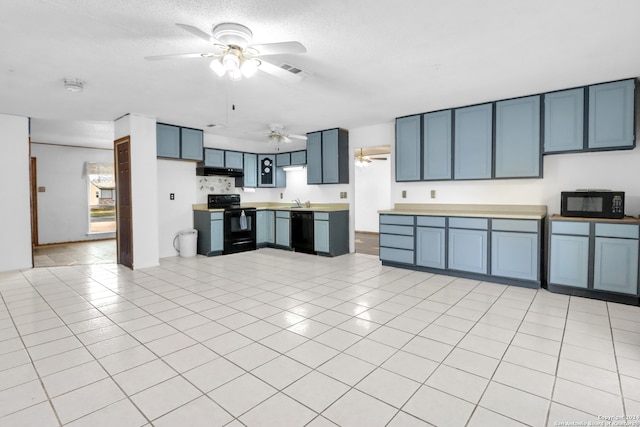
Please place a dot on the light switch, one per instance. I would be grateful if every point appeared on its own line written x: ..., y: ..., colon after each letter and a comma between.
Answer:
x: 404, y: 194
x: 42, y: 189
x: 433, y: 194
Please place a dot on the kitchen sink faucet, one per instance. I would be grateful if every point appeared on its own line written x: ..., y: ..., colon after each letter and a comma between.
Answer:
x: 298, y: 202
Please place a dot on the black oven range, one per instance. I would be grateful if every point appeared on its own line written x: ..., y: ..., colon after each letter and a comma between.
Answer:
x: 239, y: 223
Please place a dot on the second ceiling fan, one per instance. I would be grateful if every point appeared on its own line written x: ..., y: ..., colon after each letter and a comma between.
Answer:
x: 233, y: 53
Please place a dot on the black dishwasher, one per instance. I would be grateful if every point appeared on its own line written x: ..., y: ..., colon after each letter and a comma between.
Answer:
x: 302, y: 232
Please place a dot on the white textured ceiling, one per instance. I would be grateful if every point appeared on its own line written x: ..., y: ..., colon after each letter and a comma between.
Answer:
x: 371, y: 60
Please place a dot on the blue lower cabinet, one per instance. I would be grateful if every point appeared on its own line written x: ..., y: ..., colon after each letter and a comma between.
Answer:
x: 468, y: 250
x: 515, y: 255
x: 430, y: 247
x: 397, y: 238
x: 459, y: 246
x: 595, y: 258
x: 615, y: 267
x: 321, y: 235
x: 210, y: 226
x: 569, y: 260
x: 265, y: 227
x: 283, y: 229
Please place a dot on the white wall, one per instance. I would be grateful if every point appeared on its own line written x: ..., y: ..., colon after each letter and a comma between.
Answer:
x: 614, y: 170
x: 179, y: 178
x: 63, y: 212
x: 15, y: 215
x: 144, y: 187
x: 372, y: 193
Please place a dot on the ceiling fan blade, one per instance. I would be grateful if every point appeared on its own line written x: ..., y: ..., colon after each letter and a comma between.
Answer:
x: 303, y: 137
x: 285, y: 139
x: 378, y: 158
x: 199, y: 33
x: 274, y: 70
x: 181, y: 56
x: 278, y: 48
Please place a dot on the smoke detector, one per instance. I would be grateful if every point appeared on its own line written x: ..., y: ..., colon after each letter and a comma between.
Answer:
x: 73, y: 86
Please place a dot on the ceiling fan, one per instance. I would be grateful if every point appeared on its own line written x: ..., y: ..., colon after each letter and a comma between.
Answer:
x: 277, y: 135
x: 232, y: 52
x: 363, y: 160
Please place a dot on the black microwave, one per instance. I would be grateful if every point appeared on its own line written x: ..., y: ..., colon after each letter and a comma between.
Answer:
x: 592, y: 204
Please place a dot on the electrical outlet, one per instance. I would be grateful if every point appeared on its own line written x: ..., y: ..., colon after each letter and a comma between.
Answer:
x: 433, y: 194
x: 172, y: 196
x: 404, y: 194
x: 42, y: 189
x: 281, y: 195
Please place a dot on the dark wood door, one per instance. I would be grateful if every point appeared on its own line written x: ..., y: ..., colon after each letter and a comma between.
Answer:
x: 34, y: 203
x: 124, y: 233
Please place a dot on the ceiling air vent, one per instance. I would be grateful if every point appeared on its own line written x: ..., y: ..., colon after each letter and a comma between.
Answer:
x: 295, y: 70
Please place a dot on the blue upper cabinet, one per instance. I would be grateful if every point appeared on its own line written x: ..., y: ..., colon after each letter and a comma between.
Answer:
x: 564, y: 121
x: 408, y: 149
x: 168, y: 141
x: 517, y: 152
x: 233, y: 159
x: 283, y: 159
x: 250, y: 170
x: 314, y: 158
x: 328, y: 157
x: 191, y: 144
x: 473, y: 142
x: 436, y: 145
x: 299, y: 157
x: 611, y: 110
x: 175, y: 142
x: 213, y: 158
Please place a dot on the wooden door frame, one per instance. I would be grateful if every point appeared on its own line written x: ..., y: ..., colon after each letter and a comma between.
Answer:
x: 119, y: 228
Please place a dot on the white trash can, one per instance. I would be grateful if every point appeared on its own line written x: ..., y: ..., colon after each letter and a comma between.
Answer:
x: 187, y: 242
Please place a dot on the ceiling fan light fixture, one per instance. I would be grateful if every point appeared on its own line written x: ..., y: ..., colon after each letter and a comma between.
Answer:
x: 249, y: 67
x: 217, y: 67
x: 235, y: 75
x: 231, y: 60
x: 361, y: 162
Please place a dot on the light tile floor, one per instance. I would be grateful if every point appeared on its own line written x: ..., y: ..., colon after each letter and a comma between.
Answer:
x: 273, y: 338
x: 76, y: 253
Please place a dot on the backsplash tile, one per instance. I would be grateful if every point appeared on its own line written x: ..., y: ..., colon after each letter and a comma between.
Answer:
x: 215, y: 185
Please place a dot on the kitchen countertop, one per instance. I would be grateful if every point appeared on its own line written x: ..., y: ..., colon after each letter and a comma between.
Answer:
x: 315, y: 207
x: 463, y: 210
x: 625, y: 220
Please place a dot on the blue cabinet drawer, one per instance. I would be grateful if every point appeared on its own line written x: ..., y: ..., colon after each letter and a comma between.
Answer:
x: 397, y: 219
x: 430, y: 221
x: 527, y: 226
x: 217, y: 216
x: 396, y: 229
x: 322, y: 216
x: 628, y: 231
x: 473, y: 223
x: 396, y: 255
x: 395, y: 241
x: 570, y: 227
x: 282, y: 214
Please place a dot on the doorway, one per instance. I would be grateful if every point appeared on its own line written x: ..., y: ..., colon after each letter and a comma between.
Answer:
x: 124, y: 227
x: 372, y: 192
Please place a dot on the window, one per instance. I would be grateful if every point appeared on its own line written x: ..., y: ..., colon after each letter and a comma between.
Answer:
x: 102, y: 197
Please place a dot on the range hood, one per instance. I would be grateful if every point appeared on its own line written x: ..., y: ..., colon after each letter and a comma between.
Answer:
x: 208, y: 171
